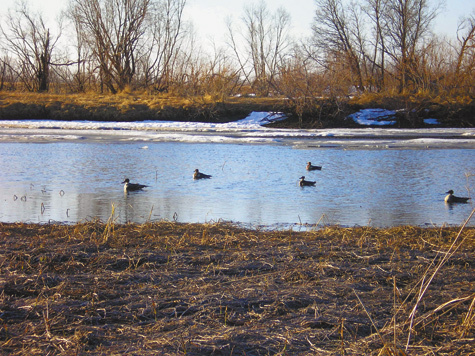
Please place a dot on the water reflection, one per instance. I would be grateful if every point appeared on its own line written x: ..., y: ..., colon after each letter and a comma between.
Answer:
x: 251, y: 184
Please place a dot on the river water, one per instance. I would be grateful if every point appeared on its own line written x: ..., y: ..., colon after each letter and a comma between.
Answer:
x: 58, y: 173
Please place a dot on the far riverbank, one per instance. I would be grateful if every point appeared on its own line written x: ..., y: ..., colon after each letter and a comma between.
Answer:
x: 410, y: 111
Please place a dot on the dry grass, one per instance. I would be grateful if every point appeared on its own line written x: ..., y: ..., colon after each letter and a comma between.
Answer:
x: 136, y: 106
x: 217, y: 289
x: 128, y: 106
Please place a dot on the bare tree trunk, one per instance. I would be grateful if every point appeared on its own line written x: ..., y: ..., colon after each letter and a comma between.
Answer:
x: 31, y: 42
x: 44, y: 61
x: 113, y: 30
x: 3, y: 70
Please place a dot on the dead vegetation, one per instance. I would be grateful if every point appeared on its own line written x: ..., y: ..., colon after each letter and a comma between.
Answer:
x: 217, y: 289
x: 320, y: 113
x: 130, y: 106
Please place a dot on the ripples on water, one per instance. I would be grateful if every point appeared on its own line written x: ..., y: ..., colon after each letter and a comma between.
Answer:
x: 251, y: 184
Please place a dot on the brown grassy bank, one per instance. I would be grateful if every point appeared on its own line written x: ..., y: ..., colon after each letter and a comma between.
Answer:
x: 129, y: 107
x: 317, y: 113
x: 216, y: 289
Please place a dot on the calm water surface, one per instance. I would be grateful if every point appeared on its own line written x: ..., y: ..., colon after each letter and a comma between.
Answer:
x: 251, y: 184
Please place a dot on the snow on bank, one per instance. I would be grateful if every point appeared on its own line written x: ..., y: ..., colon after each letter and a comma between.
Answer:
x: 431, y: 122
x: 254, y: 121
x: 375, y: 117
x: 380, y: 117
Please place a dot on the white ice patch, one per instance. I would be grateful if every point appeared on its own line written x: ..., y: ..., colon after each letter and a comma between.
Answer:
x: 250, y: 130
x: 431, y: 122
x: 377, y: 117
x: 254, y: 121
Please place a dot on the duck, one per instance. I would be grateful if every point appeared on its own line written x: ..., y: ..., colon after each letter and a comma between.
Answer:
x: 311, y: 167
x: 451, y: 198
x: 306, y: 183
x: 130, y: 187
x: 198, y: 175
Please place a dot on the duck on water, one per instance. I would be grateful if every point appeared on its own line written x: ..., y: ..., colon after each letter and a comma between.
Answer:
x: 311, y: 167
x: 198, y: 175
x: 306, y: 183
x: 130, y: 187
x: 451, y: 198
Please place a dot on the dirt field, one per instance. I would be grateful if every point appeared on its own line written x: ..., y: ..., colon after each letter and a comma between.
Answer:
x: 216, y: 289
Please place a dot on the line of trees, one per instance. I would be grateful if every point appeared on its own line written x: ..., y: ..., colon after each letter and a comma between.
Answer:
x: 116, y: 45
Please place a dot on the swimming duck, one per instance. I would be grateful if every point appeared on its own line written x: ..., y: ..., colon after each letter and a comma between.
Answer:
x: 451, y: 198
x: 199, y: 175
x: 311, y: 167
x: 130, y: 187
x: 305, y: 183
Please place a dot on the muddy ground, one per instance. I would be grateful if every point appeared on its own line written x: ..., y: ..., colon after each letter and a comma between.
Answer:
x: 216, y: 289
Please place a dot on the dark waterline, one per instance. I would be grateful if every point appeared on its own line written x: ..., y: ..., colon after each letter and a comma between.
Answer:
x: 251, y: 184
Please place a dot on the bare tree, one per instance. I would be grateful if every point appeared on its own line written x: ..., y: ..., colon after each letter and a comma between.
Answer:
x: 335, y: 37
x: 376, y: 9
x: 265, y: 45
x: 465, y: 66
x: 31, y: 42
x: 165, y: 38
x: 82, y: 52
x: 113, y: 29
x: 407, y: 25
x: 399, y: 31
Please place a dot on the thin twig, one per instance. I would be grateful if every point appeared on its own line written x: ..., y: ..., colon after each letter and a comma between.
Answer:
x: 369, y: 316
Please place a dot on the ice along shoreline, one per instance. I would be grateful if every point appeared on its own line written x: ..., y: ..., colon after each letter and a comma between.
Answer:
x: 251, y: 130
